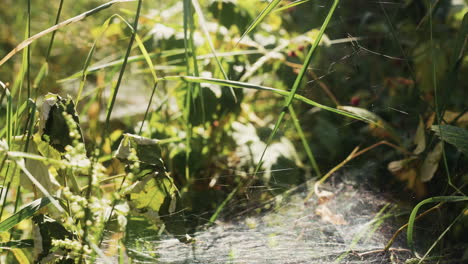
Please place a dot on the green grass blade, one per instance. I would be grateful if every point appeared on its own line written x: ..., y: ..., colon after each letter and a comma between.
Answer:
x: 441, y: 236
x: 115, y: 90
x: 75, y: 19
x: 147, y: 57
x: 190, y: 56
x: 292, y: 4
x: 21, y: 164
x: 267, y: 10
x: 244, y: 85
x: 202, y: 22
x: 103, y: 29
x: 9, y: 127
x: 26, y: 212
x: 23, y: 243
x: 28, y: 54
x: 52, y: 37
x: 45, y: 65
x: 164, y: 54
x: 298, y: 81
x: 304, y: 141
x: 436, y: 199
x: 11, y: 118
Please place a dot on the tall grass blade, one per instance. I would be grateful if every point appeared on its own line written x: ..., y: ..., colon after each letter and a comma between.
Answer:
x: 28, y: 53
x: 463, y: 213
x: 41, y: 188
x: 43, y: 71
x: 94, y: 68
x: 202, y: 22
x: 75, y: 19
x: 244, y: 85
x: 115, y: 89
x: 26, y: 212
x: 304, y: 141
x: 436, y: 199
x: 267, y: 10
x: 291, y: 4
x: 298, y: 81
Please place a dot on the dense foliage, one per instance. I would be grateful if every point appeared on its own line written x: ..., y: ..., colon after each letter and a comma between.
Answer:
x: 179, y: 113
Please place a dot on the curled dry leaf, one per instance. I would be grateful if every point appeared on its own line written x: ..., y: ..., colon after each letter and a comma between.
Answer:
x: 328, y: 216
x: 431, y: 163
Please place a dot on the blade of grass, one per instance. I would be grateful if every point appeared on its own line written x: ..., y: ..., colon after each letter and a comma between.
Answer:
x: 115, y: 89
x: 28, y: 53
x: 298, y: 81
x: 441, y: 236
x: 292, y: 4
x: 436, y: 199
x: 26, y: 212
x: 19, y: 113
x: 304, y: 141
x: 202, y: 22
x: 267, y: 10
x: 244, y: 85
x: 103, y: 29
x: 22, y: 166
x: 136, y: 58
x: 188, y: 97
x: 45, y: 66
x: 107, y: 122
x: 28, y: 132
x: 439, y: 113
x: 9, y: 127
x: 291, y: 95
x: 75, y: 19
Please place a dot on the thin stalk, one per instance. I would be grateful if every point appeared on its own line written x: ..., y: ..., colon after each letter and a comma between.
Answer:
x: 124, y: 64
x: 28, y: 50
x: 148, y: 107
x: 290, y: 97
x: 297, y: 82
x: 28, y: 133
x: 75, y: 19
x: 304, y: 141
x: 436, y: 101
x: 188, y: 44
x: 122, y: 70
x: 52, y: 38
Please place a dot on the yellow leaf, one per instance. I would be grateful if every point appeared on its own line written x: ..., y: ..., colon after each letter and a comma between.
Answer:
x: 431, y: 163
x: 19, y: 255
x: 420, y: 138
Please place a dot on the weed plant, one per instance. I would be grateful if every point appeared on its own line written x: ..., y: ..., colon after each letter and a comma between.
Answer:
x: 171, y: 110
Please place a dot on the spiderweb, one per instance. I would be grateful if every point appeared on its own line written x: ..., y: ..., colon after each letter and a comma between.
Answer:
x: 346, y: 225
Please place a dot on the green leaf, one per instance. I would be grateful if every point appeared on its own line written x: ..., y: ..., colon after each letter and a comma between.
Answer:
x: 453, y: 135
x: 20, y: 256
x: 150, y: 193
x: 53, y: 124
x: 23, y: 243
x: 412, y: 217
x: 38, y: 168
x: 376, y: 120
x: 26, y: 212
x: 244, y: 85
x: 49, y: 229
x: 147, y: 150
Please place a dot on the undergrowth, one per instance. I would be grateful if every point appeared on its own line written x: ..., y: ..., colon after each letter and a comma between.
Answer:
x: 179, y: 109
